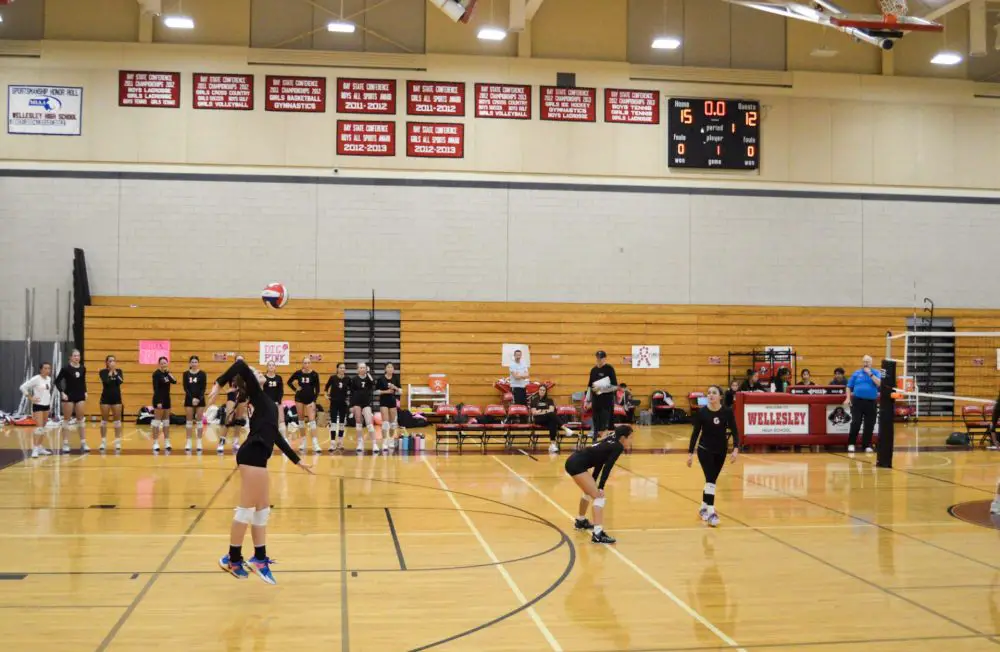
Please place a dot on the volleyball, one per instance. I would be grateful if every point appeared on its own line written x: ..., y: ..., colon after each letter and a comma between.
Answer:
x: 274, y: 295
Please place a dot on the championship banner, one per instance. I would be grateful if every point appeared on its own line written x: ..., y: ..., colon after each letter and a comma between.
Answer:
x: 371, y: 96
x: 149, y: 89
x: 44, y: 110
x: 276, y: 352
x: 435, y: 98
x: 645, y: 357
x: 222, y: 92
x: 295, y: 94
x: 763, y: 419
x: 631, y: 106
x: 503, y: 101
x: 435, y: 139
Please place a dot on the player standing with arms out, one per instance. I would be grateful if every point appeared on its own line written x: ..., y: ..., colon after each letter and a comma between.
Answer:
x: 603, y: 385
x: 251, y: 462
x: 387, y: 387
x: 305, y: 384
x: 600, y: 457
x: 195, y: 382
x: 111, y: 401
x: 162, y: 380
x: 714, y: 423
x: 72, y: 385
x: 274, y: 388
x: 338, y: 390
x: 362, y: 386
x: 38, y: 389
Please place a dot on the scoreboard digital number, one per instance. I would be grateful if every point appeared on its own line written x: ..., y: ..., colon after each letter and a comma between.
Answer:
x: 713, y: 134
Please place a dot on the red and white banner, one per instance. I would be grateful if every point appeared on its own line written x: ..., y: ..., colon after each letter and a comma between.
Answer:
x: 371, y: 96
x: 295, y: 94
x: 149, y: 89
x: 223, y: 92
x: 435, y: 139
x: 366, y: 138
x: 762, y: 419
x: 504, y: 101
x: 435, y: 98
x: 568, y: 104
x: 631, y: 106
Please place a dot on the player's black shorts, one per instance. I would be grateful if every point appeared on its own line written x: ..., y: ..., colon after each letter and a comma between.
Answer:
x: 339, y: 412
x: 40, y: 408
x: 161, y: 402
x: 75, y: 398
x: 253, y: 453
x: 188, y: 401
x: 305, y: 397
x: 388, y: 401
x: 575, y: 465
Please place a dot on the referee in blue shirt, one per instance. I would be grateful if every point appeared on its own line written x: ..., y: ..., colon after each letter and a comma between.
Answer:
x: 862, y: 394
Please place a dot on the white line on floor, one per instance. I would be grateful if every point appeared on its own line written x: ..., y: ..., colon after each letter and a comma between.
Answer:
x: 489, y: 553
x: 628, y: 562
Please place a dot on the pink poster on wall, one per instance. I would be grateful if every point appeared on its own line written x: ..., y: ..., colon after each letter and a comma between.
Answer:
x: 150, y: 351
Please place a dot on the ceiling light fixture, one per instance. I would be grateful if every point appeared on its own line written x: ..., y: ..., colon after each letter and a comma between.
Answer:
x: 340, y: 26
x: 178, y: 22
x: 947, y: 58
x: 666, y: 43
x: 492, y: 34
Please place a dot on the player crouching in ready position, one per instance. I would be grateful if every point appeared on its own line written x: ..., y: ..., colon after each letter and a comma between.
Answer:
x: 600, y: 457
x: 251, y: 461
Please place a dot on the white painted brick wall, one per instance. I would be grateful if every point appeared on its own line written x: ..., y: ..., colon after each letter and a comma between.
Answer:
x: 775, y: 251
x: 205, y: 238
x: 598, y: 247
x: 41, y: 221
x: 412, y: 242
x: 945, y: 251
x: 216, y: 239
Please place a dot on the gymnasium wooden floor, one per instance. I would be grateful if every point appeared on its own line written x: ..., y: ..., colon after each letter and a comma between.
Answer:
x: 472, y: 552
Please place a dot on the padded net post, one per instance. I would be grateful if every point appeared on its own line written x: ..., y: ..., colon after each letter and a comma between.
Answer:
x: 887, y: 414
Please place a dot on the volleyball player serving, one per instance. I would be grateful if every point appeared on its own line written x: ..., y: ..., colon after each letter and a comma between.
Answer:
x: 251, y: 461
x: 600, y: 457
x: 713, y: 423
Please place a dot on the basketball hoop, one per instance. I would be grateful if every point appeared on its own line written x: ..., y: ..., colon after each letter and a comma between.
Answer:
x: 892, y: 10
x: 894, y: 18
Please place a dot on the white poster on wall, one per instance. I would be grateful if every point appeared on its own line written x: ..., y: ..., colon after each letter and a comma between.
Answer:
x: 507, y: 354
x: 838, y: 420
x: 44, y: 110
x: 276, y: 352
x: 763, y: 419
x: 645, y: 356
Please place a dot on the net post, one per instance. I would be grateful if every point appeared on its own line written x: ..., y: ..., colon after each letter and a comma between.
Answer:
x: 886, y: 414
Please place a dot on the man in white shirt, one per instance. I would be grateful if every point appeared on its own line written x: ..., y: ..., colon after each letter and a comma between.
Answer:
x: 519, y: 379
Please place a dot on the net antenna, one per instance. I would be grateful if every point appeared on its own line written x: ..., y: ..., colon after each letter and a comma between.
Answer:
x: 973, y: 380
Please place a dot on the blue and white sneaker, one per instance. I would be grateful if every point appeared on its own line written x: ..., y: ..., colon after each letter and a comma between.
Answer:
x: 235, y: 569
x: 262, y: 569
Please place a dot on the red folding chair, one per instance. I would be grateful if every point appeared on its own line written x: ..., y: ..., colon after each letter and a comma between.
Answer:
x: 520, y: 426
x: 498, y: 429
x: 447, y: 429
x: 572, y: 421
x: 472, y: 431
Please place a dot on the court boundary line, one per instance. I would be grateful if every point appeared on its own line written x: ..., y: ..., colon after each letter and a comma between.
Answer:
x: 110, y: 637
x: 553, y: 643
x: 345, y: 636
x: 707, y: 624
x: 825, y: 562
x: 395, y: 540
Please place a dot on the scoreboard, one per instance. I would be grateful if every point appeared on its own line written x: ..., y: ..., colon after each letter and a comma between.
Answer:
x: 713, y: 134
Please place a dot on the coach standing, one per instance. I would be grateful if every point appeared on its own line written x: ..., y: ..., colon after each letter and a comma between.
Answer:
x: 519, y: 379
x: 862, y: 392
x: 603, y: 388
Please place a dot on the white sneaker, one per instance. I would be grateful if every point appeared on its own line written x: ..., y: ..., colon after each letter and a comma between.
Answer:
x: 44, y: 451
x: 118, y: 445
x: 236, y: 446
x: 65, y: 447
x: 156, y: 447
x: 84, y: 448
x: 221, y: 448
x: 703, y: 513
x: 869, y: 450
x: 302, y: 446
x: 360, y: 450
x: 994, y: 507
x: 187, y: 446
x: 316, y: 447
x: 385, y: 446
x: 166, y: 445
x: 553, y: 447
x: 199, y: 446
x: 850, y: 449
x: 34, y: 452
x: 713, y: 520
x: 569, y: 431
x: 103, y: 446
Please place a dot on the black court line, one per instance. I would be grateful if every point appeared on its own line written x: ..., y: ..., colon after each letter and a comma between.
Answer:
x: 163, y: 565
x: 395, y: 540
x: 12, y: 576
x: 528, y: 454
x: 816, y: 558
x: 344, y: 623
x: 10, y: 457
x: 74, y: 607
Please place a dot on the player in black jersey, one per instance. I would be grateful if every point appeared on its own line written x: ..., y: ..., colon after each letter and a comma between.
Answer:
x: 362, y: 386
x: 162, y: 380
x: 274, y: 389
x: 234, y: 417
x: 714, y: 423
x: 251, y: 461
x: 338, y: 390
x: 600, y: 457
x: 195, y: 382
x: 111, y: 401
x: 543, y: 413
x: 72, y: 385
x: 305, y: 384
x: 603, y: 386
x: 387, y: 387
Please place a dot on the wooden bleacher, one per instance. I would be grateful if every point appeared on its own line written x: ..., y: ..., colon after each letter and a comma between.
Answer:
x: 463, y: 339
